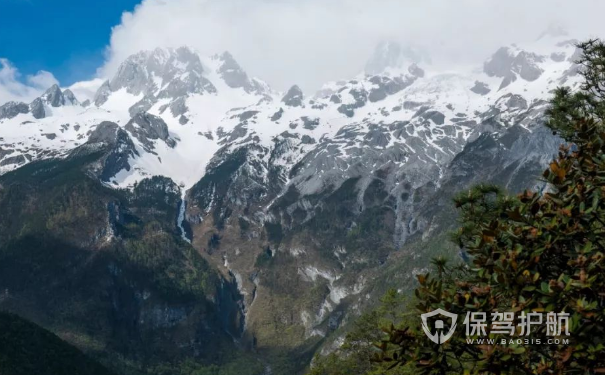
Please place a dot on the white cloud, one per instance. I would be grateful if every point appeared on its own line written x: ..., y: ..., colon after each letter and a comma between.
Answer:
x: 41, y: 80
x: 312, y: 41
x: 86, y: 90
x: 13, y: 88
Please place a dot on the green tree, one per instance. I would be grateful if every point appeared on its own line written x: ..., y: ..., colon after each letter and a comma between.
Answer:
x: 530, y: 253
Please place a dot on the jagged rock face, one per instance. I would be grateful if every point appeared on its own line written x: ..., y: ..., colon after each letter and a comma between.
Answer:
x: 500, y: 63
x: 54, y: 97
x: 37, y: 108
x: 507, y: 64
x: 277, y: 115
x: 69, y: 97
x: 480, y: 88
x: 386, y: 86
x: 177, y: 107
x: 513, y: 159
x: 137, y: 73
x: 158, y: 74
x: 14, y: 160
x: 232, y: 73
x: 106, y: 132
x: 415, y: 70
x: 174, y: 75
x: 234, y: 76
x: 141, y: 106
x: 525, y: 65
x: 102, y: 94
x: 514, y: 102
x: 12, y: 109
x: 119, y: 150
x: 294, y: 97
x: 146, y: 128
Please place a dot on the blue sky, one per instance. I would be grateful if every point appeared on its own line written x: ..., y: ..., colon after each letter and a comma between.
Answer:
x: 65, y: 37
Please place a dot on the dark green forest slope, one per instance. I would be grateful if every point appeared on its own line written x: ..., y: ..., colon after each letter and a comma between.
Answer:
x: 27, y: 349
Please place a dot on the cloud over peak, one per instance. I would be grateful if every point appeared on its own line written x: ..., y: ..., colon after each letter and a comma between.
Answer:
x: 314, y: 41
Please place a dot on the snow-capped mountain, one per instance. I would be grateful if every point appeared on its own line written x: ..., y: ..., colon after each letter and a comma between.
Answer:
x: 163, y: 82
x: 209, y: 103
x: 328, y: 185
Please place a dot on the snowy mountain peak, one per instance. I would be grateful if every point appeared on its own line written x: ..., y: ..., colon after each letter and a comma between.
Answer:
x: 177, y: 114
x: 54, y: 97
x: 168, y: 77
x: 147, y: 77
x: 70, y: 97
x: 529, y: 61
x: 226, y: 61
x: 12, y: 109
x: 161, y: 73
x: 234, y: 75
